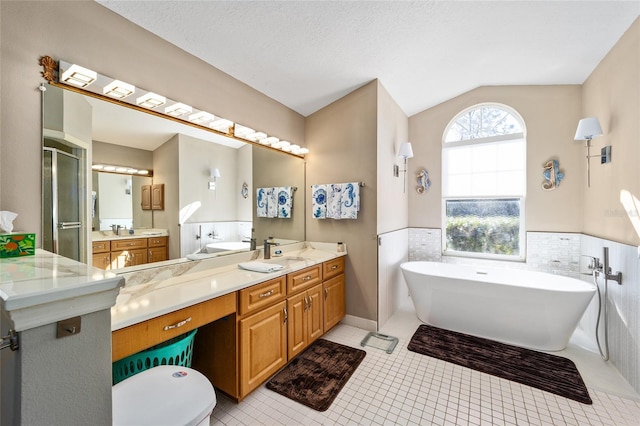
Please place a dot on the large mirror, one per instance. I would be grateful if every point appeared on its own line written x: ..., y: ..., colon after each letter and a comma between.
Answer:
x: 207, y: 184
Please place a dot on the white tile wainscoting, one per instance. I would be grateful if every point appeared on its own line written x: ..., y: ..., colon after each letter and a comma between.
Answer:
x: 563, y: 253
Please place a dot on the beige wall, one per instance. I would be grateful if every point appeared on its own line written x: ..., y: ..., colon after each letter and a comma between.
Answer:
x: 612, y: 93
x: 342, y: 140
x: 551, y: 114
x: 87, y: 33
x: 393, y: 129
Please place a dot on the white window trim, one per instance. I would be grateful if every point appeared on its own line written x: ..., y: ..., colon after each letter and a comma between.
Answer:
x: 521, y: 257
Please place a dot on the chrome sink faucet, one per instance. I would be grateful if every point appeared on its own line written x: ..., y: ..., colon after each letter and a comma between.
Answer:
x: 267, y: 247
x: 116, y: 229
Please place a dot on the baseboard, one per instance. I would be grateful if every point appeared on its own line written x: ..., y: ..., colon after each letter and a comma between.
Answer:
x: 362, y: 323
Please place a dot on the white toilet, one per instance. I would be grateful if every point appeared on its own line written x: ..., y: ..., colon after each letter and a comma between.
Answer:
x: 164, y: 395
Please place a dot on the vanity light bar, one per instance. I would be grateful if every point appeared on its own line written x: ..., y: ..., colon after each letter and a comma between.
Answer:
x: 221, y: 125
x: 242, y: 131
x: 201, y: 117
x: 178, y: 109
x: 151, y: 100
x: 118, y: 89
x: 78, y: 76
x: 120, y: 169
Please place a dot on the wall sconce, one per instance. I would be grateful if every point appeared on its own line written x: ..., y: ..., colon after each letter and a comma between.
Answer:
x: 215, y: 173
x: 589, y: 128
x: 405, y: 152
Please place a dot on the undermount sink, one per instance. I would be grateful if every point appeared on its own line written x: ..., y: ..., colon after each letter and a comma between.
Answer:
x: 286, y: 260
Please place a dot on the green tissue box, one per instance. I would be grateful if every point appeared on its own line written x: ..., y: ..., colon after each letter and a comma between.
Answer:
x: 18, y: 244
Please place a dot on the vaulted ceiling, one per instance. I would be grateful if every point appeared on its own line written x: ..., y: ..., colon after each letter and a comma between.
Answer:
x: 306, y: 54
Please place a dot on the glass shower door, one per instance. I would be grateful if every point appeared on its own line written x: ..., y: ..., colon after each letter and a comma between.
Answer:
x: 62, y: 223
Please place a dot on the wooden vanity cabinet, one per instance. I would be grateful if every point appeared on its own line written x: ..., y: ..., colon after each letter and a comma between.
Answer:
x: 101, y: 256
x: 263, y: 346
x: 120, y: 253
x: 158, y: 250
x: 276, y: 320
x: 334, y: 306
x: 128, y: 252
x: 305, y: 322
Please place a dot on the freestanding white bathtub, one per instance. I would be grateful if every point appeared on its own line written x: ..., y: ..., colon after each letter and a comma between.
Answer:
x: 519, y: 307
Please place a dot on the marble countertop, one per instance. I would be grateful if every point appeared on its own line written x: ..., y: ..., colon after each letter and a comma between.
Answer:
x: 124, y: 234
x: 149, y: 294
x: 51, y: 286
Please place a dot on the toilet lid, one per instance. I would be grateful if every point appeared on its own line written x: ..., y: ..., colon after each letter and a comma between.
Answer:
x: 163, y: 395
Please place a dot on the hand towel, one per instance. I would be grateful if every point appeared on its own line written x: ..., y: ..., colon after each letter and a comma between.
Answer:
x: 272, y: 202
x: 350, y: 200
x: 334, y: 200
x: 285, y: 201
x: 260, y: 266
x: 319, y: 201
x: 261, y: 202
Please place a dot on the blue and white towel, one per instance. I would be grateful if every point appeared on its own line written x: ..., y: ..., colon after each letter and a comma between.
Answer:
x: 319, y: 201
x: 261, y: 202
x: 285, y: 201
x: 350, y: 200
x: 334, y: 200
x: 272, y: 202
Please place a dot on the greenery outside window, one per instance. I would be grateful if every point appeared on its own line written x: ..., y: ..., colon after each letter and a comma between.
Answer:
x: 484, y: 183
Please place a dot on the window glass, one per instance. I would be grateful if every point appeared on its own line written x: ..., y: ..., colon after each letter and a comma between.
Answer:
x: 484, y: 183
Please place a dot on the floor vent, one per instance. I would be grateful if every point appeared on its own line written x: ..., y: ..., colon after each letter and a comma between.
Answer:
x: 380, y: 341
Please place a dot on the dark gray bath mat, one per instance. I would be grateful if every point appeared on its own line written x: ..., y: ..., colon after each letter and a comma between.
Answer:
x: 316, y: 376
x: 540, y: 370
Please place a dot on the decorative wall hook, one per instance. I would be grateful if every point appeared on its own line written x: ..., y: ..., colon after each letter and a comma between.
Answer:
x: 423, y: 181
x: 552, y: 174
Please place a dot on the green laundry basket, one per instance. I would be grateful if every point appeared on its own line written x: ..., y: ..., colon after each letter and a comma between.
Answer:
x: 177, y: 351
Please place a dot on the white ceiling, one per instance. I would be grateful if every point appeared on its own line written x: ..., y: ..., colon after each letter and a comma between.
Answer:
x: 306, y: 54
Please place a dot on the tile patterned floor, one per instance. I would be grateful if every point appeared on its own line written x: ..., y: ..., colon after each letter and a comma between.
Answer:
x: 405, y: 388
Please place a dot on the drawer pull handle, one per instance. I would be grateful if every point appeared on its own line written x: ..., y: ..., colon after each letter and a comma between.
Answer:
x: 334, y: 267
x: 265, y: 294
x: 326, y: 293
x: 307, y: 278
x: 286, y: 315
x: 176, y: 325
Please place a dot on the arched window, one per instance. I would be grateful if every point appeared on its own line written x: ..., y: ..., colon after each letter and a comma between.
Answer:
x: 484, y: 183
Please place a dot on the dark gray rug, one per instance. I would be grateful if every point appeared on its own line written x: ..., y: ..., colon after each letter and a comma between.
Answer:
x: 316, y: 376
x: 540, y: 370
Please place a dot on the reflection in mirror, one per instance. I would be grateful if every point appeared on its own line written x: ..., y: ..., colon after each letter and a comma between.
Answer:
x: 195, y: 213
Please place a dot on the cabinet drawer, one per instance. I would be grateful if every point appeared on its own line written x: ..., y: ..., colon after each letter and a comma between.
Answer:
x: 128, y: 244
x: 333, y: 267
x: 261, y: 295
x: 100, y: 246
x: 304, y: 278
x: 157, y: 241
x: 137, y: 337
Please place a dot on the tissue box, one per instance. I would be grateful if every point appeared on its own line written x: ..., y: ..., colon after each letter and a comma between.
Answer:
x: 17, y: 244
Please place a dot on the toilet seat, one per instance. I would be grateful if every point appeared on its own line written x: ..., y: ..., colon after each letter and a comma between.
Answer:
x: 163, y: 395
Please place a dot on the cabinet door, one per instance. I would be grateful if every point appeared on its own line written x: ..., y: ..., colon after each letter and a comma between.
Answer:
x: 157, y: 254
x: 157, y: 196
x: 334, y: 301
x: 125, y: 258
x: 297, y: 324
x: 315, y: 326
x: 102, y: 260
x: 263, y: 346
x: 145, y: 195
